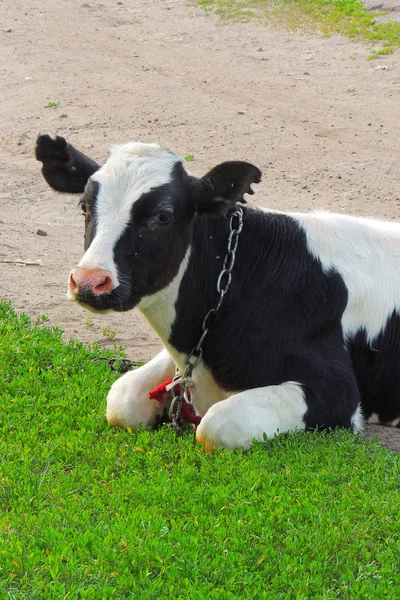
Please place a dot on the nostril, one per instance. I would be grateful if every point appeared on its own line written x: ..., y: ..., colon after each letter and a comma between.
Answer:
x: 73, y: 284
x: 103, y: 286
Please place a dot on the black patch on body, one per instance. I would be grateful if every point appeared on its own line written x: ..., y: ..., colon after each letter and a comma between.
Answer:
x: 279, y: 322
x: 377, y: 369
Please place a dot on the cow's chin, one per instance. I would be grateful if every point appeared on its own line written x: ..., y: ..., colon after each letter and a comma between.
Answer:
x: 104, y: 303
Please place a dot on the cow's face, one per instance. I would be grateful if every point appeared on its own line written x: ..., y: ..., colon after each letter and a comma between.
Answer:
x: 139, y: 211
x: 138, y: 222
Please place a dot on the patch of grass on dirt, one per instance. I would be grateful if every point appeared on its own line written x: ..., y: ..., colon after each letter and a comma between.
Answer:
x: 98, y: 513
x: 345, y: 17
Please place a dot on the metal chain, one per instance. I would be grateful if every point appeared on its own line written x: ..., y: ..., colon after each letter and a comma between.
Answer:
x: 195, y: 356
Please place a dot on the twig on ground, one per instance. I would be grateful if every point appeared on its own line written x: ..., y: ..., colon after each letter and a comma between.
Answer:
x: 26, y: 263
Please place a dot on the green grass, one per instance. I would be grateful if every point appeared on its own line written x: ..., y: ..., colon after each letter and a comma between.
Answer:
x: 343, y: 17
x: 108, y: 332
x: 52, y: 105
x: 93, y: 512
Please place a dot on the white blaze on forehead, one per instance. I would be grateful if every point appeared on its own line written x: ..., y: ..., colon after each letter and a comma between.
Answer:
x: 130, y: 171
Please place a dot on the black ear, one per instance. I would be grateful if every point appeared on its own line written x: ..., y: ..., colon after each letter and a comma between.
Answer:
x: 225, y: 185
x: 64, y: 168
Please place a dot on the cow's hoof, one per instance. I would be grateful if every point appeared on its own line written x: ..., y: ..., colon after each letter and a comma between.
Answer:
x: 223, y: 427
x: 52, y: 148
x: 206, y: 443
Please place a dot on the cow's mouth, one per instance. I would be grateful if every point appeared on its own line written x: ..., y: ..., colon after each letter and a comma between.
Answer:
x: 115, y: 300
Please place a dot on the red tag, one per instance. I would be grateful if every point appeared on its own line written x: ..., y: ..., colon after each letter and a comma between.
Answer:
x: 160, y: 394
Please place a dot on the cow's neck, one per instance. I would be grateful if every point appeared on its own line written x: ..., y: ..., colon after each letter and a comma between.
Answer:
x: 198, y: 293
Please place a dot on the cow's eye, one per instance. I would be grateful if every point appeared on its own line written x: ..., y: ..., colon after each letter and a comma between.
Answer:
x: 83, y: 207
x: 163, y: 217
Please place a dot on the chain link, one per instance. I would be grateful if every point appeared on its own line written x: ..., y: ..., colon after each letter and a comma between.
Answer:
x: 223, y: 283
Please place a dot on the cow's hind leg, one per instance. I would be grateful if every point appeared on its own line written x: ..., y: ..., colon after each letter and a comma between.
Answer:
x: 128, y: 404
x: 247, y: 416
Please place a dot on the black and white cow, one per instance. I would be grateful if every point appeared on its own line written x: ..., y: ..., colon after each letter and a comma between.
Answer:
x: 308, y: 334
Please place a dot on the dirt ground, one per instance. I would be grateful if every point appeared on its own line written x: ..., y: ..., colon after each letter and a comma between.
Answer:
x: 315, y: 115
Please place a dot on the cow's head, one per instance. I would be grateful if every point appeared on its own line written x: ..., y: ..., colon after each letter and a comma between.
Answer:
x: 139, y: 209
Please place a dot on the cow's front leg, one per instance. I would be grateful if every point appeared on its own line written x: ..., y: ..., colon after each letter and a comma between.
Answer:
x: 128, y: 404
x: 247, y: 416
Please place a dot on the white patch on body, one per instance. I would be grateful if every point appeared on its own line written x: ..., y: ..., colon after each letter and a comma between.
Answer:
x: 374, y: 419
x: 247, y: 416
x: 128, y: 404
x: 357, y: 420
x: 130, y: 171
x: 159, y: 308
x: 206, y: 391
x: 366, y: 253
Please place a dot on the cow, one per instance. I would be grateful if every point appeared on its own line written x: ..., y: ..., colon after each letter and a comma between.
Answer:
x: 304, y: 331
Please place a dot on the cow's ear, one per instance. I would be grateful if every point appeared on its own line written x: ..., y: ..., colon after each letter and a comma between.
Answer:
x: 225, y: 185
x: 64, y: 168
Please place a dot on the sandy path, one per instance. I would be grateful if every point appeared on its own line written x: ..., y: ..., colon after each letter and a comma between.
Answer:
x: 317, y: 118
